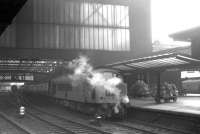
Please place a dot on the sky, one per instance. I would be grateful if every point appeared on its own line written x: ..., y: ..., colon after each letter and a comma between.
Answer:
x: 171, y: 16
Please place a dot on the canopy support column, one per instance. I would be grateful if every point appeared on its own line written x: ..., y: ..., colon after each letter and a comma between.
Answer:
x: 157, y: 98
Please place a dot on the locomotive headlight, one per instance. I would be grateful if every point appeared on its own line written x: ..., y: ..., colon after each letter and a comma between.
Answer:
x: 125, y: 99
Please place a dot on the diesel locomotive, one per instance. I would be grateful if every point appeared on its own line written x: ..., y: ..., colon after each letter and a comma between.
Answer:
x: 81, y: 95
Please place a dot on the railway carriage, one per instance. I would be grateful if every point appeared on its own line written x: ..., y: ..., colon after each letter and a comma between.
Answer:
x: 191, y: 86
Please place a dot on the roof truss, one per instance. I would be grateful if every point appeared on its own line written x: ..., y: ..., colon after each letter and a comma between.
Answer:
x: 155, y: 63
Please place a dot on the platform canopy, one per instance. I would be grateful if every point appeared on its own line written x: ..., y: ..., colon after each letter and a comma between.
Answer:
x: 155, y: 62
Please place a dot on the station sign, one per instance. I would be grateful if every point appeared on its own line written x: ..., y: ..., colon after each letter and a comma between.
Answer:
x: 16, y: 77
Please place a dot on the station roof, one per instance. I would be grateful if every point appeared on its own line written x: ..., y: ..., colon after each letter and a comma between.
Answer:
x: 29, y: 65
x: 8, y: 10
x: 155, y: 62
x: 186, y: 35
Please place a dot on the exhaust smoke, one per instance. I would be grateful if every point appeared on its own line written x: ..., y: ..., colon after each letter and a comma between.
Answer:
x: 83, y: 71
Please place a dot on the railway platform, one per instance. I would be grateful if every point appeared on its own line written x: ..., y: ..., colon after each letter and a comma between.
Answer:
x: 185, y: 105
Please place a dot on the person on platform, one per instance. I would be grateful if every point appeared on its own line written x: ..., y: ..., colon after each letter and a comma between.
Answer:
x: 17, y: 97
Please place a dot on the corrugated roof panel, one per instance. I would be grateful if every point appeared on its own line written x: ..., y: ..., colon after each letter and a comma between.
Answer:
x: 123, y: 67
x: 136, y: 65
x: 177, y: 61
x: 158, y: 63
x: 147, y: 64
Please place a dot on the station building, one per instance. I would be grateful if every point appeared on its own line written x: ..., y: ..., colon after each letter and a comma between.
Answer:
x: 104, y: 30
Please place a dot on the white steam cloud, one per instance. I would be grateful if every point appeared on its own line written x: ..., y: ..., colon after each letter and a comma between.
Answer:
x: 83, y: 71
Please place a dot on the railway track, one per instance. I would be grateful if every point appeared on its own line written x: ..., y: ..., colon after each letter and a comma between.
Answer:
x: 52, y: 128
x: 63, y: 125
x: 58, y: 125
x: 9, y: 126
x: 68, y: 125
x: 39, y: 126
x: 126, y: 127
x: 115, y: 127
x: 79, y: 127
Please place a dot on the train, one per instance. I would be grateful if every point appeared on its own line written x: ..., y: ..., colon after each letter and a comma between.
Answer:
x: 191, y: 86
x: 104, y: 98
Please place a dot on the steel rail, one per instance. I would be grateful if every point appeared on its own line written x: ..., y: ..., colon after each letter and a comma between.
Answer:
x: 124, y: 128
x: 68, y: 125
x: 14, y: 123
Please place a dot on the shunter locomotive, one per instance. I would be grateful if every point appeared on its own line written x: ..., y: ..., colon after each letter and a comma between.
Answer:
x: 83, y: 97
